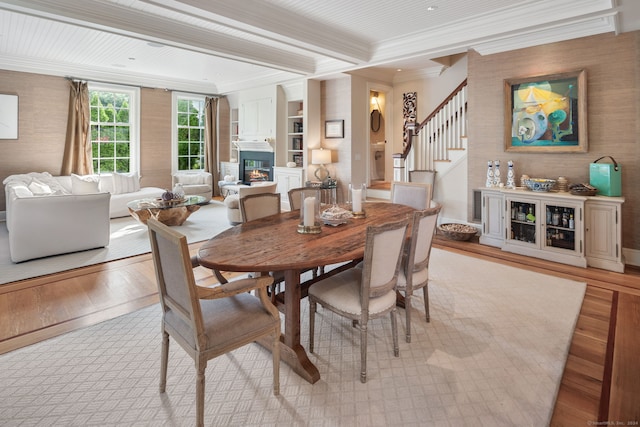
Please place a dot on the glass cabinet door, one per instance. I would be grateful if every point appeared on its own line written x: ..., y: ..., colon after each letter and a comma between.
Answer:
x: 522, y: 220
x: 560, y: 226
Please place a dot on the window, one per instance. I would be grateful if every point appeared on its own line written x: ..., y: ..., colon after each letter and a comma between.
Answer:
x: 114, y: 136
x: 189, y: 139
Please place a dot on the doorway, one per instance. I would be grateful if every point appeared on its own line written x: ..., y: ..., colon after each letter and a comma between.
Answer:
x: 379, y: 155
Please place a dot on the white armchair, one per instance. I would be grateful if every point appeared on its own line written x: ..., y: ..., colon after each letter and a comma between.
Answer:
x: 194, y: 183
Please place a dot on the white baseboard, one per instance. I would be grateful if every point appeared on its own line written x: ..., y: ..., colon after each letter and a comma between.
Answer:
x: 631, y: 256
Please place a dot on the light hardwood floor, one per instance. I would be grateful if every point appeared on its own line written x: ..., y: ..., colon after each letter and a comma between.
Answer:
x: 600, y: 381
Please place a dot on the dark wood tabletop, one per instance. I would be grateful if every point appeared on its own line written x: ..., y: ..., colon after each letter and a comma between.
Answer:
x: 274, y: 244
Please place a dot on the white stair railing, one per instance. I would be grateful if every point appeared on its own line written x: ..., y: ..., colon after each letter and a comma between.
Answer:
x: 442, y: 131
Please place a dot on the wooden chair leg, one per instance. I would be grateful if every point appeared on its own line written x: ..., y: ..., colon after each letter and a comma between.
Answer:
x: 425, y: 292
x: 276, y: 363
x: 407, y: 309
x: 164, y: 360
x: 363, y: 352
x: 394, y: 331
x: 200, y: 366
x: 312, y: 323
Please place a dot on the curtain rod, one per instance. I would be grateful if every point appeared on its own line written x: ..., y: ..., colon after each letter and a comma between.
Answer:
x: 212, y: 95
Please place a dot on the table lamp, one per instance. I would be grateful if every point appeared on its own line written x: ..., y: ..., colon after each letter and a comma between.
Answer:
x: 321, y: 157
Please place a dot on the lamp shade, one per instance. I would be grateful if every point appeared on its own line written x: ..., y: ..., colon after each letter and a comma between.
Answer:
x: 320, y: 157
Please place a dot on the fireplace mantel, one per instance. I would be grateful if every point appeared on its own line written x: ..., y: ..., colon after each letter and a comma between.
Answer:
x: 253, y: 146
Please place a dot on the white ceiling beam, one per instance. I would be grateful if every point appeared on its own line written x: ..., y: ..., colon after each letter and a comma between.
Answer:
x: 124, y: 21
x: 277, y: 24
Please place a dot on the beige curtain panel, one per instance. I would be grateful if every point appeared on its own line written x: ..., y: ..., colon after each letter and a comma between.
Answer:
x: 77, y: 150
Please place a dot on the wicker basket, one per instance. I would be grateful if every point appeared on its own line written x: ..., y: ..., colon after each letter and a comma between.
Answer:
x: 457, y: 231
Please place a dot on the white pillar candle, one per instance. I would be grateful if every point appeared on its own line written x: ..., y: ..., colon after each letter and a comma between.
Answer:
x: 309, y: 212
x: 357, y: 200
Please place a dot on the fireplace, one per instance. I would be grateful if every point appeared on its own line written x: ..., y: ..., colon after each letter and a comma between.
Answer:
x: 256, y: 166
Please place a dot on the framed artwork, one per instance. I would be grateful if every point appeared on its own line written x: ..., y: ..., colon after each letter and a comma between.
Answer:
x: 8, y: 116
x: 334, y: 129
x: 297, y: 158
x: 546, y: 114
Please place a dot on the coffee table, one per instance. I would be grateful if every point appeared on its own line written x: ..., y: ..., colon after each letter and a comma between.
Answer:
x: 173, y: 213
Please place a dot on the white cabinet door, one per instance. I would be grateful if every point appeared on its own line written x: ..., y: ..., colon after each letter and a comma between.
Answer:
x: 256, y: 119
x: 286, y: 179
x: 603, y: 231
x: 492, y: 218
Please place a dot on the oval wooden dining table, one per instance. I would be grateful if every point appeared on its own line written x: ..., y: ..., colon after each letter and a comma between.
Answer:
x: 274, y: 244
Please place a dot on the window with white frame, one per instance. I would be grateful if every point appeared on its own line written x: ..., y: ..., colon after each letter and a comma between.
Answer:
x: 189, y: 132
x: 114, y: 134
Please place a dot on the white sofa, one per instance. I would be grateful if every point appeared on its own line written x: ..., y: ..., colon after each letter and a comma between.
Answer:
x: 45, y: 218
x: 50, y: 215
x: 124, y: 188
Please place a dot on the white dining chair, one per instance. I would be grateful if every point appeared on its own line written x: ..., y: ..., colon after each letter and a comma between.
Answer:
x: 425, y: 177
x: 256, y: 206
x: 361, y: 294
x: 414, y: 273
x: 414, y: 194
x: 207, y: 322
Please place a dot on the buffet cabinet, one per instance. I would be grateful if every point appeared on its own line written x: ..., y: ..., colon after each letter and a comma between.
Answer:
x: 556, y: 226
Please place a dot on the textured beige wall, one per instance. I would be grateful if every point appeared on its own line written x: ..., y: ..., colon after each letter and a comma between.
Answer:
x: 336, y: 105
x: 42, y: 124
x: 611, y: 64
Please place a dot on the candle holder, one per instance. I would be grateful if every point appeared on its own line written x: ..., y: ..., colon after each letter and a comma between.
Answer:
x: 309, y: 215
x: 357, y: 197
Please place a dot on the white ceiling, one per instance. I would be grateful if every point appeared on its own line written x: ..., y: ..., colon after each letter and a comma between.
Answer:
x: 220, y: 46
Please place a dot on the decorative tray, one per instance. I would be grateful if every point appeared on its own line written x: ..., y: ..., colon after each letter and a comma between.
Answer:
x: 335, y: 216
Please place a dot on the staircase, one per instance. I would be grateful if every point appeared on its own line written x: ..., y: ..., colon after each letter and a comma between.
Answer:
x: 437, y: 143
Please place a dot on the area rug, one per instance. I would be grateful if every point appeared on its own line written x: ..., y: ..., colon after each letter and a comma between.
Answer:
x: 128, y: 238
x: 493, y: 354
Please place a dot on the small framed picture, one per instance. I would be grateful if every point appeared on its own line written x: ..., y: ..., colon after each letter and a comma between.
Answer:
x: 297, y: 144
x: 334, y: 129
x: 8, y: 116
x: 297, y: 158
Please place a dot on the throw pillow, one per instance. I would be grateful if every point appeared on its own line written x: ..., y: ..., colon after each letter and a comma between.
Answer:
x: 22, y: 191
x: 39, y: 188
x: 126, y: 183
x: 86, y: 184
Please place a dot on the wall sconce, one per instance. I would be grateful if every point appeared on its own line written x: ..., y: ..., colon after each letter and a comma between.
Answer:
x: 376, y: 115
x: 321, y: 157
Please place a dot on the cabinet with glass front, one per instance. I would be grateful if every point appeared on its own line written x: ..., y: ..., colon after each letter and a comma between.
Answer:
x: 545, y: 225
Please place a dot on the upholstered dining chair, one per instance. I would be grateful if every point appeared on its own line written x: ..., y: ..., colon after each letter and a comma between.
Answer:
x: 414, y: 194
x: 256, y: 206
x: 425, y: 177
x: 365, y: 293
x: 207, y: 322
x: 295, y: 196
x: 414, y: 273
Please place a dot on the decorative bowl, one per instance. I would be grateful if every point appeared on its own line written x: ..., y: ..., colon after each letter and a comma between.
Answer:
x: 539, y: 184
x: 458, y: 231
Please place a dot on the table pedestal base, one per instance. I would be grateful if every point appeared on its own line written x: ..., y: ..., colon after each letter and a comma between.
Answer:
x: 296, y: 358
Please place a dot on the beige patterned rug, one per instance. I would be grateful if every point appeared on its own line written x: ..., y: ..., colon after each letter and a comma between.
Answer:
x: 492, y: 355
x: 128, y: 238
